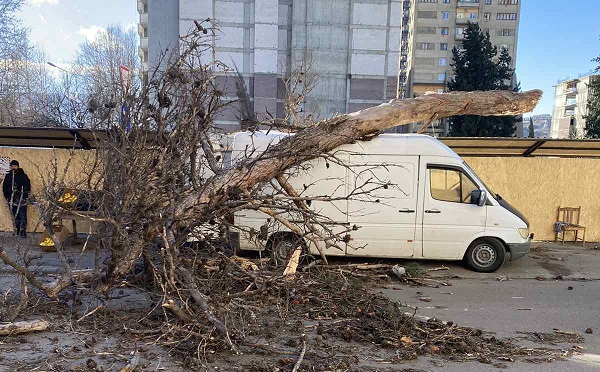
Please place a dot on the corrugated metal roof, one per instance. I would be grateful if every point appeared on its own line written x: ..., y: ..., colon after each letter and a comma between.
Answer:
x: 64, y: 138
x: 481, y: 146
x: 86, y: 139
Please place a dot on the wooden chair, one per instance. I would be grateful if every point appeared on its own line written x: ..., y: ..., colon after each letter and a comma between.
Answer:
x: 568, y: 218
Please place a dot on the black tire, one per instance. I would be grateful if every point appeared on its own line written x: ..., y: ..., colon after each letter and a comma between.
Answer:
x: 282, y: 246
x: 485, y: 255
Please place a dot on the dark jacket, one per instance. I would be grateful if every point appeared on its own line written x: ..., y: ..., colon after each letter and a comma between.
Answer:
x: 16, y: 187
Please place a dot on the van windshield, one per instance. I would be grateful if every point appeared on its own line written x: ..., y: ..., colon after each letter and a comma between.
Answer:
x: 492, y: 193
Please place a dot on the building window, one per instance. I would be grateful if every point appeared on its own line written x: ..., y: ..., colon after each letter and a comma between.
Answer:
x: 445, y: 15
x: 505, y: 32
x: 506, y: 16
x: 428, y: 1
x: 442, y: 61
x: 427, y: 14
x: 426, y: 30
x: 443, y: 46
x: 488, y: 2
x: 446, y: 1
x: 508, y: 2
x: 503, y: 47
x: 487, y: 16
x: 444, y: 31
x: 426, y: 46
x: 459, y: 31
x: 442, y: 77
x: 473, y: 15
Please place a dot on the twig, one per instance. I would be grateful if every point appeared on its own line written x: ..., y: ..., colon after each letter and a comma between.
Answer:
x: 437, y: 269
x: 312, y: 264
x: 132, y: 365
x: 301, y: 357
x: 179, y: 312
x: 90, y: 313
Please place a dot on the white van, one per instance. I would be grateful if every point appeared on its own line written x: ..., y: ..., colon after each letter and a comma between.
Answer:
x: 418, y: 199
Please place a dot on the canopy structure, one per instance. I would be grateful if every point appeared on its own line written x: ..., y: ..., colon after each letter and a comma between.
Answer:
x: 85, y: 139
x: 490, y: 147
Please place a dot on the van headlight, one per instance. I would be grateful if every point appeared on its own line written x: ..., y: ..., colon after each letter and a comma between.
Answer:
x: 524, y: 232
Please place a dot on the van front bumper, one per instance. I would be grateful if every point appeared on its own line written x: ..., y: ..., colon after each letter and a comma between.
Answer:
x: 519, y: 250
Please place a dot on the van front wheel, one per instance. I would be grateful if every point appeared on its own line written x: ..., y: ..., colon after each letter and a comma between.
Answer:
x: 485, y: 255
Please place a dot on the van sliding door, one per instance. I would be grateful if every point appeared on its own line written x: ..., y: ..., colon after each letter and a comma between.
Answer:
x: 383, y: 205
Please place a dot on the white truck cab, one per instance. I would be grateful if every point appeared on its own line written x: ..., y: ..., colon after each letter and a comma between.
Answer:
x: 409, y: 196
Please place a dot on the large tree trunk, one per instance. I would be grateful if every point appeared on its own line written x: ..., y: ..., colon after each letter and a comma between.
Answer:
x: 344, y: 129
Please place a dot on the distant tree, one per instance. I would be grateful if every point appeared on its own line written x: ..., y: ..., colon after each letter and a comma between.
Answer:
x: 477, y: 66
x: 97, y: 68
x: 592, y: 119
x: 531, y: 129
x: 25, y: 79
x: 13, y: 35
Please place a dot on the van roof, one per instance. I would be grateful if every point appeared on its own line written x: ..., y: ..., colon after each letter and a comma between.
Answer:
x: 384, y: 144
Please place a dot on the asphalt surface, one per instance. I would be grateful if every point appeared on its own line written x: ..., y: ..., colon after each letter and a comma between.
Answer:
x: 512, y: 306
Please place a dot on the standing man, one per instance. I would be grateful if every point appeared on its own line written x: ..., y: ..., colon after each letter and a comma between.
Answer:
x: 16, y: 188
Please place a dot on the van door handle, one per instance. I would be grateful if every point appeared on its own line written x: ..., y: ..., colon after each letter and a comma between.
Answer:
x: 432, y: 211
x: 406, y: 210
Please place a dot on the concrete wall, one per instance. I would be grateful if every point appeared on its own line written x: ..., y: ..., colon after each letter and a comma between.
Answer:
x: 38, y: 165
x: 163, y: 30
x: 538, y: 186
x: 354, y: 48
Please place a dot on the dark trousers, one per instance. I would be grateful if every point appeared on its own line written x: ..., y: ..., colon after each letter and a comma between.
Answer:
x: 20, y: 216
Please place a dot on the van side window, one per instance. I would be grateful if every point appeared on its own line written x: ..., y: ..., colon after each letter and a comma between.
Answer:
x: 450, y: 185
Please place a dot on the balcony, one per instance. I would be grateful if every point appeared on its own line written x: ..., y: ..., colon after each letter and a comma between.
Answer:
x: 467, y: 3
x: 144, y: 18
x: 570, y: 102
x: 572, y: 90
x: 465, y: 20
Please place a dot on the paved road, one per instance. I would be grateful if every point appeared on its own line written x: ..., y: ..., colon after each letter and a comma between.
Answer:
x: 494, y: 306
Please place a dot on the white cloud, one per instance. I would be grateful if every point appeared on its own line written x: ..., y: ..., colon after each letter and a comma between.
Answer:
x: 42, y: 19
x: 42, y: 2
x: 92, y: 32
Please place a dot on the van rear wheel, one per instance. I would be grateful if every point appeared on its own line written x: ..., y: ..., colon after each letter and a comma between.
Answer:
x: 282, y: 246
x: 485, y: 255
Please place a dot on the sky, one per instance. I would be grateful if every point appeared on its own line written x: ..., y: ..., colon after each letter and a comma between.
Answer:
x: 59, y: 26
x: 557, y: 38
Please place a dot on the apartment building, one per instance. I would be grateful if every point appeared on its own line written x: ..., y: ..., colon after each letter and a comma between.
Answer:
x: 353, y: 46
x: 570, y: 107
x: 431, y: 28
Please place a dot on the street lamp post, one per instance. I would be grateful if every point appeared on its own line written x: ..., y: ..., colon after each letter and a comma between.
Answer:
x: 68, y: 87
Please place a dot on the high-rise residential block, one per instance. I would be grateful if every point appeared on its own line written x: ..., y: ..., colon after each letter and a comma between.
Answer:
x: 570, y: 107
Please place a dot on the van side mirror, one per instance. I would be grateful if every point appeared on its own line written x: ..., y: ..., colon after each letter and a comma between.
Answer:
x: 479, y: 197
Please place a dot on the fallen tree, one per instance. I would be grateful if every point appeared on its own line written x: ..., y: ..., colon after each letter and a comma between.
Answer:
x: 159, y: 176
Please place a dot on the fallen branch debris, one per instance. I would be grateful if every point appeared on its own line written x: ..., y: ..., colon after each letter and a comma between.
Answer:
x: 23, y: 327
